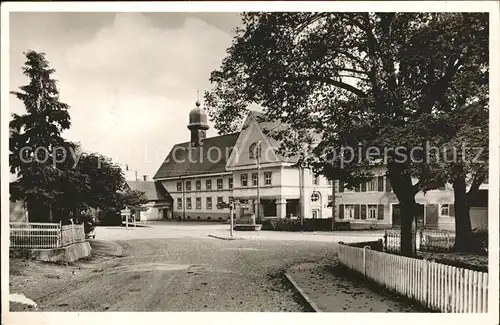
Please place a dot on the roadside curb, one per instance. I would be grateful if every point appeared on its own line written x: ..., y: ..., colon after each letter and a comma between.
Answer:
x: 118, y: 249
x: 225, y: 238
x: 301, y: 292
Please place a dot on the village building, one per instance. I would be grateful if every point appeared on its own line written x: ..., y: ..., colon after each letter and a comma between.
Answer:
x: 244, y: 166
x: 159, y: 205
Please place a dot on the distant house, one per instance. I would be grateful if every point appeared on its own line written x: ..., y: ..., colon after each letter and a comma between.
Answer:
x: 159, y: 204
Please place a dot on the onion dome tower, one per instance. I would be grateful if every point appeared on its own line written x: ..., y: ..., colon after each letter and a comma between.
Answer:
x: 198, y: 125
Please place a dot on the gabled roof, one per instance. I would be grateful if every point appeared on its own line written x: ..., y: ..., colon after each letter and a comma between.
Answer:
x: 154, y: 191
x: 268, y: 127
x: 209, y: 158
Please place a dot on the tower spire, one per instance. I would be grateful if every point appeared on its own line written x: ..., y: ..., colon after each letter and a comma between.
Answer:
x: 197, y: 122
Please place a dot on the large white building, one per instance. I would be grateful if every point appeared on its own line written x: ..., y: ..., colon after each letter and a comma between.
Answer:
x: 203, y: 172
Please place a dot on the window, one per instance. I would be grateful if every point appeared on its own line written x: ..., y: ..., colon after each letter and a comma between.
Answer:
x: 179, y: 186
x: 188, y: 203
x: 255, y: 179
x: 230, y: 182
x: 372, y: 211
x: 220, y: 200
x: 315, y: 197
x: 188, y: 186
x: 315, y: 180
x: 179, y: 203
x: 445, y: 210
x: 254, y: 151
x: 209, y: 203
x: 330, y: 198
x: 220, y: 183
x: 198, y: 185
x: 208, y: 184
x: 330, y: 182
x: 198, y: 203
x: 372, y: 186
x: 268, y: 178
x: 349, y: 211
x: 244, y: 180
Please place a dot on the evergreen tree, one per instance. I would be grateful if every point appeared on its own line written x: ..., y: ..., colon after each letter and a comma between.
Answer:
x: 34, y: 137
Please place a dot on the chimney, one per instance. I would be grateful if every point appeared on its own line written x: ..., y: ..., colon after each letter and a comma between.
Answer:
x: 145, y: 177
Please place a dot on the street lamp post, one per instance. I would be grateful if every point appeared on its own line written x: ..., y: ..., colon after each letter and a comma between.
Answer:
x: 257, y: 157
x: 333, y: 204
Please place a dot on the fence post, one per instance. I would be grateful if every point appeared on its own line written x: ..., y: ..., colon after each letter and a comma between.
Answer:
x: 364, y: 259
x: 385, y: 240
x: 59, y: 235
x: 426, y: 283
x: 421, y: 236
x: 72, y: 232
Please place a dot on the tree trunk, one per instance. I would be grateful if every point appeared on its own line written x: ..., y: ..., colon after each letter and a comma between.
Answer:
x: 38, y: 212
x: 403, y: 188
x: 408, y: 229
x: 464, y: 241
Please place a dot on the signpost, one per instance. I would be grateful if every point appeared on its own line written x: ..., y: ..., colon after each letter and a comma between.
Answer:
x: 126, y: 213
x: 231, y: 208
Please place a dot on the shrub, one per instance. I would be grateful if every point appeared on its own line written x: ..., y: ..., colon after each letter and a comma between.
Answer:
x: 481, y: 240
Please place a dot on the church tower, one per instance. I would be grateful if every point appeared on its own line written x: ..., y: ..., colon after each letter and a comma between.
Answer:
x: 198, y: 125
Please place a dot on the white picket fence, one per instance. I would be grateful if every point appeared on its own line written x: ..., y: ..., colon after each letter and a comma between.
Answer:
x: 72, y: 234
x: 24, y: 235
x: 437, y: 286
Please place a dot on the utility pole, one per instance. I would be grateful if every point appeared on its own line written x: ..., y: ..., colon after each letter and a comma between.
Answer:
x: 257, y: 156
x: 333, y: 203
x: 231, y: 208
x: 183, y: 200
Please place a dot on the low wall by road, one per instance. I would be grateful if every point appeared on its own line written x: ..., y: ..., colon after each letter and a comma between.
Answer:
x: 66, y: 254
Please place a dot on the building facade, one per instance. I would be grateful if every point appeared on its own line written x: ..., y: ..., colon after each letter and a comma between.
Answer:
x: 246, y: 166
x: 159, y: 205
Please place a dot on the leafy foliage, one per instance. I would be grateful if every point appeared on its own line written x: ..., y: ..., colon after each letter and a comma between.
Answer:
x: 356, y: 80
x: 55, y: 177
x: 133, y: 199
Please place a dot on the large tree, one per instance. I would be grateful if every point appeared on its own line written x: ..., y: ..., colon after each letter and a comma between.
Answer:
x: 464, y: 164
x: 89, y: 180
x: 34, y: 136
x: 355, y: 79
x: 56, y: 178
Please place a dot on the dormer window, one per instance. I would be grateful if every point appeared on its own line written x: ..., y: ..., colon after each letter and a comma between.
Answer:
x: 254, y: 151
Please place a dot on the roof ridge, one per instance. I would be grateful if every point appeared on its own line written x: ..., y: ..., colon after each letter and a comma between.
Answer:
x: 217, y: 136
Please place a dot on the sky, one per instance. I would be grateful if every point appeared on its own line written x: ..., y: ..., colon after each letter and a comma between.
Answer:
x: 130, y: 78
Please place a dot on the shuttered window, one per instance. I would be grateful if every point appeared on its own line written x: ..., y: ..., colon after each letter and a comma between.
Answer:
x: 363, y: 212
x: 388, y: 187
x: 380, y: 183
x: 380, y: 215
x: 372, y: 211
